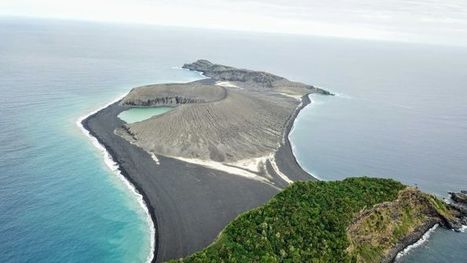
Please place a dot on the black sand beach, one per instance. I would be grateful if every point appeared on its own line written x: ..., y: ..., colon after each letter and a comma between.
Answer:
x: 189, y: 204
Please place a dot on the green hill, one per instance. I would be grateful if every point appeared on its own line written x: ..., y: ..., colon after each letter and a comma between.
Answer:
x: 337, y: 221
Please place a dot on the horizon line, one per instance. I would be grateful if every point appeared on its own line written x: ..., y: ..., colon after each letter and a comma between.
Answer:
x: 226, y: 29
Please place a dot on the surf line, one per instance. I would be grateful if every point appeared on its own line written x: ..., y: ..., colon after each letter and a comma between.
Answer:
x: 115, y: 168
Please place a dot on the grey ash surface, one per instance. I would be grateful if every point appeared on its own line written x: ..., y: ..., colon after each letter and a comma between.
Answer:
x: 244, y: 119
x: 191, y: 204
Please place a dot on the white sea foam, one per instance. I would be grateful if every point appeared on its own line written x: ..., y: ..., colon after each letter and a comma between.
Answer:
x: 154, y: 157
x: 114, y: 167
x: 463, y: 228
x: 342, y: 95
x: 420, y: 242
x: 185, y: 69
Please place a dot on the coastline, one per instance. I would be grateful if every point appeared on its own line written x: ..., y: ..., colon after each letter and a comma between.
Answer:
x: 414, y: 240
x: 411, y: 241
x: 193, y: 204
x: 190, y: 203
x: 117, y: 170
x: 422, y: 240
x: 284, y: 156
x: 257, y: 193
x: 292, y: 146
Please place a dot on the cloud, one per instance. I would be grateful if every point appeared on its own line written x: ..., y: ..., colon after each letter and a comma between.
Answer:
x: 402, y: 20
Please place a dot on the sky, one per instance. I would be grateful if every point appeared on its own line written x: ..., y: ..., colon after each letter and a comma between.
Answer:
x: 422, y: 21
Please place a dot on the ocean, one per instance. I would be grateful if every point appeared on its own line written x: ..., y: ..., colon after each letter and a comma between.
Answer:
x: 401, y: 112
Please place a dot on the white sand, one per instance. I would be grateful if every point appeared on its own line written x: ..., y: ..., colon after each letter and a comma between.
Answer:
x: 222, y: 167
x: 276, y: 169
x: 227, y: 84
x: 154, y: 157
x: 247, y: 167
x: 297, y: 97
x: 253, y: 164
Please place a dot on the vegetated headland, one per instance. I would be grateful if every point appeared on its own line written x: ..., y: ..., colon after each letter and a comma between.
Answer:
x: 354, y: 220
x: 224, y: 150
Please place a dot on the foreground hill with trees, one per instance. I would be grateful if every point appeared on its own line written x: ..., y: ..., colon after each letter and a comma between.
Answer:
x: 354, y: 220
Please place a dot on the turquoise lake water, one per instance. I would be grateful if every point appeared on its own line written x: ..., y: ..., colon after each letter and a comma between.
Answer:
x: 140, y: 114
x: 401, y: 113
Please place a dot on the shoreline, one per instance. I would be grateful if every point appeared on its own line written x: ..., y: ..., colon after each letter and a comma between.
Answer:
x: 423, y: 239
x: 292, y: 146
x: 287, y: 145
x: 286, y: 161
x: 115, y: 168
x: 255, y: 198
x: 412, y: 241
x: 284, y: 156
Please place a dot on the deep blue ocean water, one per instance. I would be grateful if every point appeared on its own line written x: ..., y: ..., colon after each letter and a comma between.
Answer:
x: 401, y: 113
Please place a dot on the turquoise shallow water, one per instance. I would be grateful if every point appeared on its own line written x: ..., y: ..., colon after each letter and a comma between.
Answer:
x: 401, y: 114
x: 59, y: 201
x: 140, y: 114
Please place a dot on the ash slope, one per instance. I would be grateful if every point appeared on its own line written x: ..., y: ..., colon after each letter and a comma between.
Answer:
x: 190, y: 203
x: 237, y: 117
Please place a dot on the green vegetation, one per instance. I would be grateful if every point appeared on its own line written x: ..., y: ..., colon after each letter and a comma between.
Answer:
x: 354, y: 220
x: 440, y: 207
x: 307, y: 222
x: 377, y: 230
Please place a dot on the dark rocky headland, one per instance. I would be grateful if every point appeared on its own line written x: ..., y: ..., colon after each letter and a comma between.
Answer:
x: 459, y: 204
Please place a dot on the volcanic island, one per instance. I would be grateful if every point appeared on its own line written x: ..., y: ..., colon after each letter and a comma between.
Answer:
x: 223, y: 149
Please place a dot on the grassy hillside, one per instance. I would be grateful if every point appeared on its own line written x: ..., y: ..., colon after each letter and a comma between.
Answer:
x: 307, y: 222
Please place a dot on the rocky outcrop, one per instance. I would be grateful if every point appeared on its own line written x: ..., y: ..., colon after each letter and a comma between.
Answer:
x: 174, y: 94
x: 221, y: 72
x: 459, y: 204
x: 460, y: 198
x: 410, y: 239
x: 249, y: 78
x: 159, y: 101
x: 378, y: 234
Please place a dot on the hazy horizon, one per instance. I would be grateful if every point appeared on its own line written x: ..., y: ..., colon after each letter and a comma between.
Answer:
x: 430, y: 22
